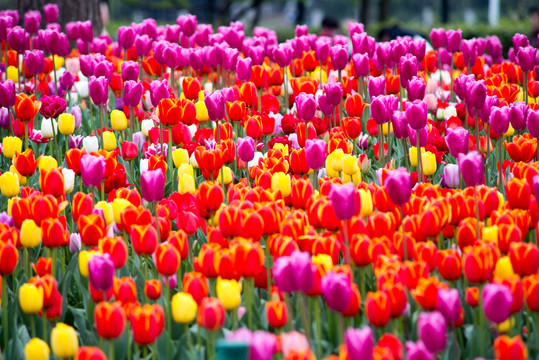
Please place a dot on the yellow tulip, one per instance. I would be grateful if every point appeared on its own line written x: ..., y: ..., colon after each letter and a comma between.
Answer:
x: 227, y: 174
x: 355, y: 178
x: 228, y: 293
x: 281, y: 181
x: 202, y: 111
x: 490, y: 233
x: 180, y: 156
x: 118, y: 120
x: 107, y: 211
x: 387, y: 128
x: 47, y: 162
x: 84, y: 258
x: 31, y: 234
x: 413, y: 155
x: 428, y: 162
x: 109, y: 139
x: 323, y: 260
x: 282, y: 148
x: 509, y: 131
x: 119, y: 205
x: 9, y: 184
x: 504, y: 268
x: 366, y: 202
x: 505, y: 326
x: 31, y: 298
x: 66, y: 124
x: 349, y: 164
x: 11, y: 144
x: 64, y: 341
x: 13, y: 74
x: 186, y: 184
x: 22, y: 179
x: 184, y: 308
x: 58, y: 62
x: 36, y: 349
x: 186, y: 169
x: 10, y: 202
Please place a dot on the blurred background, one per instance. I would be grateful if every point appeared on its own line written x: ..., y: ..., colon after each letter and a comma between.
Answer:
x: 474, y: 17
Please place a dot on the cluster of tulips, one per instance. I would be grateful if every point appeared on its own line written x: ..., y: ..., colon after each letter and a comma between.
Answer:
x: 189, y: 193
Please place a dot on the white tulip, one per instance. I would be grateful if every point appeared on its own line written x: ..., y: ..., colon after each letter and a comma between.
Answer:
x: 69, y: 180
x: 46, y: 128
x: 90, y: 144
x: 146, y: 125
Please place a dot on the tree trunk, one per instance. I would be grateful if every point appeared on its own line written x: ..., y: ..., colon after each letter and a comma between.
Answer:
x: 69, y: 11
x: 384, y: 10
x: 364, y: 12
x: 445, y: 11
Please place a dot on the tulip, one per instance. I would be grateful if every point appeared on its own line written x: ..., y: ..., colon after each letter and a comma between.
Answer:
x: 359, y: 343
x: 453, y: 38
x: 30, y: 234
x: 126, y: 37
x: 345, y: 200
x: 506, y: 348
x: 451, y: 175
x: 184, y: 308
x: 31, y: 298
x: 471, y: 168
x: 418, y: 351
x: 476, y: 94
x: 306, y: 106
x: 457, y: 141
x: 315, y: 153
x: 99, y: 89
x: 33, y: 61
x: 416, y: 114
x: 109, y: 319
x: 432, y: 329
x: 215, y: 103
x: 147, y: 323
x: 101, y: 271
x: 518, y: 114
x: 376, y: 86
x: 499, y: 119
x: 132, y: 93
x: 211, y: 314
x: 51, y: 13
x: 229, y: 293
x: 398, y: 186
x: 246, y: 149
x: 11, y: 145
x: 382, y: 108
x: 438, y: 38
x: 339, y: 57
x: 497, y: 300
x: 9, y: 184
x: 449, y: 304
x: 92, y: 169
x: 66, y: 124
x: 361, y: 65
x: 416, y: 88
x: 152, y: 184
x: 64, y: 341
x: 90, y: 144
x: 243, y: 69
x: 276, y: 313
x: 36, y: 349
x: 337, y: 291
x: 7, y: 94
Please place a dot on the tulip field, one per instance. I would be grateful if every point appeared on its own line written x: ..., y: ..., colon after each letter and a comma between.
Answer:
x: 194, y: 192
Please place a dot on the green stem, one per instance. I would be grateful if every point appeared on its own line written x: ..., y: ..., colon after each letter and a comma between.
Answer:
x: 44, y: 325
x: 168, y: 310
x: 404, y: 245
x: 55, y: 78
x: 101, y: 126
x: 419, y: 160
x: 189, y: 340
x: 4, y: 317
x: 476, y: 212
x: 318, y: 324
x: 111, y: 350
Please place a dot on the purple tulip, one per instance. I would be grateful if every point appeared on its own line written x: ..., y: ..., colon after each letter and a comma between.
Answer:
x: 132, y: 93
x: 339, y: 57
x: 92, y: 169
x: 315, y: 153
x: 494, y: 46
x: 215, y: 103
x: 407, y: 68
x: 101, y: 271
x: 423, y: 135
x: 130, y: 71
x: 67, y: 80
x: 321, y: 49
x: 337, y: 290
x: 334, y: 93
x: 499, y: 119
x: 52, y: 106
x: 361, y: 65
x: 448, y: 302
x: 33, y: 60
x: 172, y: 33
x: 143, y: 45
x: 294, y: 272
x: 16, y: 37
x: 526, y: 58
x: 520, y: 41
x: 171, y: 56
x: 126, y: 37
x: 5, y: 118
x: 462, y: 82
x: 282, y: 55
x: 7, y: 93
x: 50, y: 40
x: 382, y: 108
x: 152, y: 185
x: 383, y: 55
x: 360, y: 43
x: 457, y: 141
x: 87, y: 64
x: 359, y: 343
x: 306, y: 106
x: 6, y: 23
x: 159, y: 90
x: 103, y: 69
x: 418, y: 48
x: 73, y: 30
x: 476, y: 94
x: 324, y: 105
x: 398, y: 184
x: 416, y: 88
x: 451, y: 176
x: 243, y: 69
x: 301, y: 30
x: 400, y: 127
x: 535, y: 186
x: 490, y: 102
x: 445, y: 57
x: 497, y: 301
x: 438, y: 38
x: 187, y: 23
x: 518, y: 114
x: 432, y: 329
x: 453, y: 38
x: 376, y: 86
x: 86, y: 31
x: 230, y: 59
x: 51, y: 13
x: 399, y: 48
x: 14, y: 14
x: 533, y: 124
x: 99, y: 90
x: 471, y: 168
x: 77, y: 113
x: 246, y: 149
x: 32, y: 19
x: 344, y: 200
x: 418, y: 351
x: 469, y: 51
x: 416, y: 114
x: 196, y: 58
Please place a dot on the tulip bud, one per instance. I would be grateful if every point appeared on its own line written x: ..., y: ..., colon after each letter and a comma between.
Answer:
x: 184, y: 308
x: 118, y: 120
x: 90, y: 143
x: 66, y: 124
x: 9, y: 184
x: 30, y: 234
x: 36, y: 349
x: 64, y: 341
x: 10, y: 145
x: 180, y: 156
x: 229, y: 293
x: 31, y: 298
x: 109, y: 140
x: 69, y: 180
x: 281, y: 181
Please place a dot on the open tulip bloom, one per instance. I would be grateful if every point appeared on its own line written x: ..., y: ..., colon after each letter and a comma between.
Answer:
x: 211, y: 191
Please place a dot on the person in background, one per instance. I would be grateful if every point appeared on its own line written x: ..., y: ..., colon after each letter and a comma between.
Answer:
x: 330, y: 26
x: 534, y: 20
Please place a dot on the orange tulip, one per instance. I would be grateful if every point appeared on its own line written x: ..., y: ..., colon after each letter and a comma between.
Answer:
x: 191, y: 87
x: 25, y: 162
x: 522, y: 149
x: 377, y: 308
x: 144, y: 239
x: 52, y: 182
x: 109, y: 319
x: 507, y: 348
x: 26, y: 107
x: 276, y: 313
x: 147, y: 323
x: 167, y: 259
x: 211, y: 314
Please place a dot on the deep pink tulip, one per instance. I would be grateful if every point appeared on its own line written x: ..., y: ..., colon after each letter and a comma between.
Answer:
x: 345, y: 200
x: 152, y: 185
x: 398, y: 184
x: 51, y: 13
x: 471, y: 168
x: 92, y: 169
x: 306, y: 106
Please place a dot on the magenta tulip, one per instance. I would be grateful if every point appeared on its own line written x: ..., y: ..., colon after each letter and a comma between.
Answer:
x: 152, y: 185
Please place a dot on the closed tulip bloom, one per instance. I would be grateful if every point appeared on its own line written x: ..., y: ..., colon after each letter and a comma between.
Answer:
x: 407, y: 68
x: 16, y: 38
x: 382, y: 108
x: 184, y: 308
x: 246, y: 149
x: 361, y: 65
x: 215, y: 103
x: 376, y: 86
x: 152, y: 185
x: 306, y: 106
x: 453, y: 38
x: 526, y: 58
x: 418, y: 351
x: 451, y: 175
x: 282, y: 54
x: 432, y: 329
x: 51, y: 13
x: 438, y: 38
x: 30, y: 234
x: 92, y: 169
x: 359, y: 343
x: 315, y: 153
x: 345, y: 200
x: 11, y: 145
x: 30, y: 298
x: 244, y: 68
x: 471, y: 168
x: 416, y: 88
x: 66, y: 124
x: 337, y: 291
x: 229, y: 293
x: 211, y: 314
x: 9, y: 184
x: 281, y: 181
x: 143, y: 45
x: 506, y: 348
x: 64, y: 341
x: 476, y: 94
x: 159, y: 90
x: 518, y: 114
x: 33, y: 60
x: 7, y: 94
x: 132, y: 93
x: 449, y: 304
x: 109, y: 319
x: 499, y: 119
x: 118, y: 120
x: 399, y: 186
x: 32, y: 19
x: 126, y: 37
x: 99, y: 89
x: 339, y: 56
x: 416, y: 114
x: 101, y: 271
x: 36, y: 349
x: 497, y: 301
x: 457, y: 141
x: 533, y: 123
x: 130, y: 71
x: 333, y: 93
